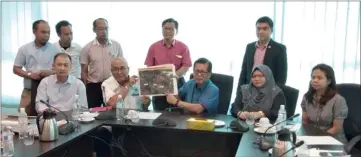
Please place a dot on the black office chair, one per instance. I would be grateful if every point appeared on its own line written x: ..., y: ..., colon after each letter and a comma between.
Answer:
x: 291, y: 95
x: 352, y: 124
x: 225, y: 85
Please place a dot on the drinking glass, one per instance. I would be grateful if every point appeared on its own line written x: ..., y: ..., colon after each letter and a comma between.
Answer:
x: 250, y: 119
x: 29, y: 136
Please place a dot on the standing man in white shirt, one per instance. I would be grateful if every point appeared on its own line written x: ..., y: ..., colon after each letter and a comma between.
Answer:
x: 65, y: 34
x: 95, y: 60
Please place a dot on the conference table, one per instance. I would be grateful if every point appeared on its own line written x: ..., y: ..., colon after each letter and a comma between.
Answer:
x: 62, y: 147
x: 246, y: 148
x: 143, y: 139
x: 177, y: 140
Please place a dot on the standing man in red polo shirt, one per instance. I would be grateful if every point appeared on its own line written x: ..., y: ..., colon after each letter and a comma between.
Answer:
x: 169, y: 51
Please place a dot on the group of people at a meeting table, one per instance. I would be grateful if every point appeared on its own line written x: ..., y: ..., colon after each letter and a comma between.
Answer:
x: 98, y: 73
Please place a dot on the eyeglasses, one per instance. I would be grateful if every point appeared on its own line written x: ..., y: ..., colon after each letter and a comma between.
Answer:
x: 116, y: 70
x: 102, y: 29
x: 201, y: 73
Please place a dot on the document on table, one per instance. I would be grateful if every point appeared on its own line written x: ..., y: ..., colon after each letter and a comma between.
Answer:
x: 293, y: 127
x: 149, y: 115
x: 319, y: 140
x: 318, y: 153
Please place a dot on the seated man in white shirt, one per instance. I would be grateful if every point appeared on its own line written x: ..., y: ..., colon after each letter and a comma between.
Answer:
x: 59, y: 90
x: 121, y: 86
x: 118, y: 86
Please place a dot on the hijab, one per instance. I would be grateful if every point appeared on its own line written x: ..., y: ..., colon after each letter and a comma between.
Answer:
x: 260, y: 98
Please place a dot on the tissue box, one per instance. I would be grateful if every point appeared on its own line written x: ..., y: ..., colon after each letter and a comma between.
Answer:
x: 200, y: 124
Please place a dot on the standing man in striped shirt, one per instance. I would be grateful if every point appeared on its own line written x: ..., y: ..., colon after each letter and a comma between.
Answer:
x: 169, y: 51
x: 95, y: 59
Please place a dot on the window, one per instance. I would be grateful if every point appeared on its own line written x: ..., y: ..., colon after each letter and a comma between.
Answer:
x: 313, y: 32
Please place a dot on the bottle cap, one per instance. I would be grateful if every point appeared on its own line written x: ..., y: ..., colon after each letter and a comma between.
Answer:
x: 120, y: 97
x: 7, y: 128
x: 283, y: 107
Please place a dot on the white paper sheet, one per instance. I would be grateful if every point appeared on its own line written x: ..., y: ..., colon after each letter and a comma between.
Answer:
x: 319, y: 140
x: 149, y: 115
x: 294, y: 127
x: 316, y: 153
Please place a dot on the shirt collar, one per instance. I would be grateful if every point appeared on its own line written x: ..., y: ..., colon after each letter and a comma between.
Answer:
x: 257, y: 45
x: 47, y: 43
x: 96, y: 42
x: 203, y: 86
x: 116, y: 82
x: 173, y: 43
x: 71, y: 44
x: 68, y: 81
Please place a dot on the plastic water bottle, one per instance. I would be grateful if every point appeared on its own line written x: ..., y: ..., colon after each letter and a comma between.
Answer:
x: 120, y: 108
x: 23, y: 123
x: 8, y: 143
x: 76, y: 108
x: 279, y: 119
x: 135, y: 89
x: 283, y: 112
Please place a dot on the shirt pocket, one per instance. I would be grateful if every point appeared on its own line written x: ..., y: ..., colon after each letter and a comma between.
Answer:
x: 177, y: 58
x: 40, y: 61
x: 112, y: 52
x: 94, y: 57
x: 31, y: 63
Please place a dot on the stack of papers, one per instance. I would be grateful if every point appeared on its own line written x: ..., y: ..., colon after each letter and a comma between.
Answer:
x: 319, y: 140
x: 317, y: 153
x: 149, y: 115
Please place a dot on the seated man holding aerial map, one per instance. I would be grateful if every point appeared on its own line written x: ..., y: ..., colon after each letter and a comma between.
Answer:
x: 198, y: 95
x: 121, y: 86
x: 118, y: 87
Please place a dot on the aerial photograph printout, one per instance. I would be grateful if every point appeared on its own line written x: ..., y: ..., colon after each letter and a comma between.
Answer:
x: 158, y: 80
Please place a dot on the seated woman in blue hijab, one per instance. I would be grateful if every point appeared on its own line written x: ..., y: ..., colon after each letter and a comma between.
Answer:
x: 260, y: 98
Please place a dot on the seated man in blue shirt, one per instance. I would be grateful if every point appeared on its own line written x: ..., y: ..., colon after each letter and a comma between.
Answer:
x: 198, y: 95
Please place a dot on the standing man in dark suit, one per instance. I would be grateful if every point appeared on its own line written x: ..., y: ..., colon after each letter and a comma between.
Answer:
x: 264, y: 51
